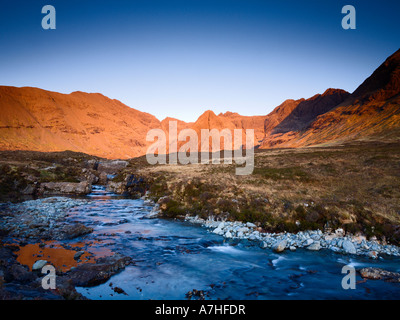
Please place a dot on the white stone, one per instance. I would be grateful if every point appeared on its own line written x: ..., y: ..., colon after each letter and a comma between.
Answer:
x: 39, y: 265
x: 349, y: 247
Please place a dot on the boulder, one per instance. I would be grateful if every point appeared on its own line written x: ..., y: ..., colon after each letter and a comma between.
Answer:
x: 228, y: 234
x: 315, y: 246
x: 103, y: 178
x: 116, y: 187
x: 20, y: 273
x: 92, y: 274
x: 280, y: 246
x: 52, y: 188
x: 307, y: 242
x: 111, y: 166
x: 349, y: 247
x: 72, y: 231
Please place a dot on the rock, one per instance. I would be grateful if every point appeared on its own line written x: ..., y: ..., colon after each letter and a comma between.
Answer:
x: 250, y: 225
x: 349, y: 247
x: 38, y: 265
x: 19, y: 273
x: 65, y: 188
x: 329, y: 237
x: 66, y: 289
x: 218, y: 231
x: 73, y: 231
x: 292, y: 248
x: 88, y: 274
x: 119, y: 291
x: 359, y: 239
x: 314, y: 246
x: 29, y: 190
x: 103, y: 178
x: 116, y: 187
x: 280, y: 246
x: 373, y: 255
x: 228, y: 234
x: 152, y: 214
x: 339, y: 232
x: 316, y: 237
x: 111, y: 166
x: 335, y: 249
x: 377, y: 274
x: 264, y: 245
x: 78, y: 255
x: 307, y: 242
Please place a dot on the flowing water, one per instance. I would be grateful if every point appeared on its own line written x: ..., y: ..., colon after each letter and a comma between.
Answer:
x: 172, y: 258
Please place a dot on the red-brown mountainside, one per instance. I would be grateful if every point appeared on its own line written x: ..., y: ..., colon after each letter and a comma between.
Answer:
x: 247, y: 122
x: 372, y: 111
x: 280, y: 113
x: 39, y: 120
x: 209, y: 120
x: 307, y: 110
x: 383, y: 84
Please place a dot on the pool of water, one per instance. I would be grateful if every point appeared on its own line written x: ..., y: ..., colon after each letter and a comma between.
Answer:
x: 172, y: 258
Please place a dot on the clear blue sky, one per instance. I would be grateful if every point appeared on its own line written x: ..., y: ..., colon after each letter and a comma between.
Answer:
x: 180, y: 58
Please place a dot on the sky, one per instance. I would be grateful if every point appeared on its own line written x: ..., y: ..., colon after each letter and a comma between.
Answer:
x: 181, y: 58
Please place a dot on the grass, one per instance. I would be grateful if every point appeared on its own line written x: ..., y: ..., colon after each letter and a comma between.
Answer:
x: 354, y: 186
x: 289, y: 173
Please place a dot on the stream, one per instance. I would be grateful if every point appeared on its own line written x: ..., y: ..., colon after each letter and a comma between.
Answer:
x: 172, y: 258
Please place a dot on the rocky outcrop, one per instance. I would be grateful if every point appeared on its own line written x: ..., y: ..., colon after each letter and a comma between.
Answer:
x: 87, y: 275
x: 55, y: 188
x: 111, y: 167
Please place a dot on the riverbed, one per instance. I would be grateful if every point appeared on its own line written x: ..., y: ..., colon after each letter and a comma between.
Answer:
x: 174, y: 259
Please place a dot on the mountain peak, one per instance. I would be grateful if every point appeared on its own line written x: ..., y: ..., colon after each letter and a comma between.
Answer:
x: 208, y: 113
x: 384, y: 82
x: 332, y: 91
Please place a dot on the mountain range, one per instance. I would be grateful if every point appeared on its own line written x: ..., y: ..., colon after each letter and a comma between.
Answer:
x: 40, y: 120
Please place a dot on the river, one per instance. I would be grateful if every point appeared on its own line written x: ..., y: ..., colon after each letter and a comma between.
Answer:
x: 172, y: 258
